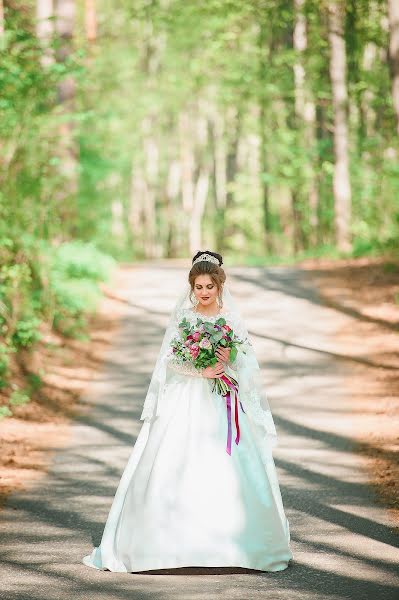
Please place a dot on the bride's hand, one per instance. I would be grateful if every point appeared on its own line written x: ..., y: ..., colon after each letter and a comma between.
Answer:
x: 223, y: 354
x: 213, y: 372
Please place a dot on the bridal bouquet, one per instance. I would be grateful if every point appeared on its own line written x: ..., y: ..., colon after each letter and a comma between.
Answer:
x: 197, y: 344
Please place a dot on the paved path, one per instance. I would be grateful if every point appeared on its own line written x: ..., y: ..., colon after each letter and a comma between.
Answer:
x: 342, y: 540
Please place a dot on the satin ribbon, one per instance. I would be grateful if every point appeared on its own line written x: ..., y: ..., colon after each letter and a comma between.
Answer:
x: 232, y: 392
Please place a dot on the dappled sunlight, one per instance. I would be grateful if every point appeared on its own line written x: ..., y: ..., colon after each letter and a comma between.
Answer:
x: 135, y: 137
x: 340, y: 539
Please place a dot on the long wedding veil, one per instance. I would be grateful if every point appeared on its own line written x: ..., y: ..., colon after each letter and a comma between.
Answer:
x: 251, y: 390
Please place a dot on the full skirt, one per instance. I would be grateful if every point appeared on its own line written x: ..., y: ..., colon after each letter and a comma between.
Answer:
x: 184, y: 501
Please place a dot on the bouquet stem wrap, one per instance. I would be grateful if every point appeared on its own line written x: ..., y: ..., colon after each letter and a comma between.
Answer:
x: 227, y: 387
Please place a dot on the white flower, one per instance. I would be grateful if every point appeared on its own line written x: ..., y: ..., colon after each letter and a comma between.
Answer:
x: 205, y: 343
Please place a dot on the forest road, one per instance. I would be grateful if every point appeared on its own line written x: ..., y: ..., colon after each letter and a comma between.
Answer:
x: 342, y: 539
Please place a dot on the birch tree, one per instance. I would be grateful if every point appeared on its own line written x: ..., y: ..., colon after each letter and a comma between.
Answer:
x: 393, y: 16
x: 45, y: 29
x: 341, y: 182
x: 305, y: 111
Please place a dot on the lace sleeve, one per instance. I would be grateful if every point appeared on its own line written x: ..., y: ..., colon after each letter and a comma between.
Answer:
x: 252, y: 391
x: 239, y: 361
x: 242, y: 349
x: 185, y: 367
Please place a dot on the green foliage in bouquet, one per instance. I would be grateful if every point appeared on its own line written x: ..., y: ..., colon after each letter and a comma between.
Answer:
x: 199, y: 342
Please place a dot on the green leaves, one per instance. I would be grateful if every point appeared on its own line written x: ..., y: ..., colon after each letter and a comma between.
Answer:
x: 26, y: 332
x: 233, y: 354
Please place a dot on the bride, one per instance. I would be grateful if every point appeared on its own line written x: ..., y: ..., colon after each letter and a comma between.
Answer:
x: 189, y: 495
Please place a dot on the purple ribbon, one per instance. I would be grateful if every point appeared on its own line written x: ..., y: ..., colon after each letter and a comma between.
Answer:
x: 233, y: 390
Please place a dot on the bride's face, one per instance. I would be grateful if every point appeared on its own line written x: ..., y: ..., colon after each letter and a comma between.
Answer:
x: 205, y: 290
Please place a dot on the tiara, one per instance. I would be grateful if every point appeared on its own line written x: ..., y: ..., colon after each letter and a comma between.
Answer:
x: 207, y: 257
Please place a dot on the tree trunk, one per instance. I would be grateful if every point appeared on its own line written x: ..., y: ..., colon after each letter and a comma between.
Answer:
x: 65, y: 22
x: 151, y: 152
x: 230, y: 161
x: 202, y: 179
x: 135, y: 213
x: 90, y: 20
x: 216, y: 134
x: 186, y: 160
x: 300, y: 45
x: 393, y: 16
x: 45, y: 29
x: 2, y: 27
x: 200, y: 196
x: 263, y: 127
x: 305, y: 111
x: 341, y: 181
x: 172, y: 197
x: 232, y: 158
x: 117, y: 224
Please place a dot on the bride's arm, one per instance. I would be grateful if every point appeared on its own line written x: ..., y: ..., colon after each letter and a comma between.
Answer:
x: 185, y: 368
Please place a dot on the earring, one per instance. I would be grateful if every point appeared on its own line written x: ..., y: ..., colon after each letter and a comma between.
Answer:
x: 194, y: 301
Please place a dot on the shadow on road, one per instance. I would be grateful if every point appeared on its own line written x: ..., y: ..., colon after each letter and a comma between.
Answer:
x: 47, y: 532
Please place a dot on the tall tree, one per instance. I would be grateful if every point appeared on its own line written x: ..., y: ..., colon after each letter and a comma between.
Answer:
x: 393, y: 16
x: 45, y: 28
x: 341, y: 180
x: 1, y: 17
x: 90, y: 20
x: 306, y: 114
x: 266, y: 50
x: 68, y: 154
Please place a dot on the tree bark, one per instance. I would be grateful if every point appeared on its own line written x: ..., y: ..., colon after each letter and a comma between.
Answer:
x: 393, y: 17
x: 151, y: 152
x: 172, y: 197
x: 305, y: 111
x: 231, y: 169
x: 2, y: 26
x: 341, y: 181
x: 202, y: 175
x: 263, y: 126
x: 200, y: 196
x: 216, y: 131
x: 45, y: 29
x: 135, y: 213
x: 90, y: 20
x: 186, y: 160
x: 64, y: 24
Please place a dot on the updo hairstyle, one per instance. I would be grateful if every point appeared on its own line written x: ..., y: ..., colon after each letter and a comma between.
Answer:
x: 206, y: 267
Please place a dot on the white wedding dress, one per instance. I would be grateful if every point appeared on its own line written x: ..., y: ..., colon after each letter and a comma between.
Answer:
x: 184, y: 501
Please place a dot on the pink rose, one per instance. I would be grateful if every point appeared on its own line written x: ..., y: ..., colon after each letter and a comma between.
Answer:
x: 194, y: 350
x: 196, y: 336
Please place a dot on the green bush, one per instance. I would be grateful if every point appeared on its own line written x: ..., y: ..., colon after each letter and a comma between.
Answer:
x: 19, y: 398
x: 79, y: 260
x: 40, y: 283
x: 35, y: 381
x: 76, y: 271
x: 26, y: 332
x: 73, y: 296
x: 5, y: 412
x: 4, y: 362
